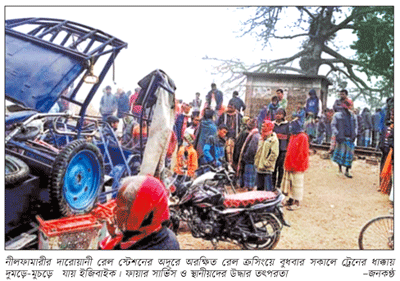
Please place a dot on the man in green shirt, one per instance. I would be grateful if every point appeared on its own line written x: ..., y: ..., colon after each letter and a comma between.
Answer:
x: 282, y: 100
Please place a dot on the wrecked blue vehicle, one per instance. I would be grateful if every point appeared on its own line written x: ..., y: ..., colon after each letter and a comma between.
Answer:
x: 62, y: 163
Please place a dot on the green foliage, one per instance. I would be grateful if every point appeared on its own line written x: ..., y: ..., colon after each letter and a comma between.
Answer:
x: 370, y: 72
x: 375, y: 44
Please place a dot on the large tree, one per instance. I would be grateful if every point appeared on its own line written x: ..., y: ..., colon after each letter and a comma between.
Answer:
x: 318, y: 27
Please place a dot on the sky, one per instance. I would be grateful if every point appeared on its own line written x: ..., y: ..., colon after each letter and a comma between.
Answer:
x: 174, y: 39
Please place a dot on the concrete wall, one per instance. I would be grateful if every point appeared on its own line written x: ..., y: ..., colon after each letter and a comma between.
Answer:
x: 260, y: 90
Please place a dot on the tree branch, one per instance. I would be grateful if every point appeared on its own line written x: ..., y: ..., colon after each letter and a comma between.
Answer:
x: 304, y: 9
x: 348, y: 64
x: 344, y: 24
x: 291, y: 37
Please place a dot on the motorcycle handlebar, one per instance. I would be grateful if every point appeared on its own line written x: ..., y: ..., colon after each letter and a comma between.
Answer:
x: 211, y: 189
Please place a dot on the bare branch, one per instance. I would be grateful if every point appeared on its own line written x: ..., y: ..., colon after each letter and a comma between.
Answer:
x: 345, y: 23
x: 304, y: 9
x: 291, y: 37
x: 349, y: 66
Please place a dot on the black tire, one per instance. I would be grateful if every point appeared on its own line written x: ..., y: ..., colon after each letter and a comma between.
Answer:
x: 377, y: 234
x: 267, y: 226
x: 174, y: 221
x: 76, y: 179
x: 15, y: 170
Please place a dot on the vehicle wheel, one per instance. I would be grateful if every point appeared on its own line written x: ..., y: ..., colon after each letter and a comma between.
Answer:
x: 134, y: 166
x: 174, y: 225
x: 76, y: 178
x: 377, y: 234
x: 15, y: 170
x: 268, y: 228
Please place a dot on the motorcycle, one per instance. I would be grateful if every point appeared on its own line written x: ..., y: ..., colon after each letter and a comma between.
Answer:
x: 252, y: 219
x: 218, y: 177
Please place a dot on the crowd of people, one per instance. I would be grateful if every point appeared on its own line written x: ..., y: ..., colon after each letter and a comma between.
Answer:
x: 267, y: 151
x: 264, y: 150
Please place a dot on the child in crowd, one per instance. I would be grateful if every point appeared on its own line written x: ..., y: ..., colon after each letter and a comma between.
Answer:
x: 268, y: 112
x: 296, y: 163
x: 265, y: 158
x: 300, y: 113
x: 186, y: 158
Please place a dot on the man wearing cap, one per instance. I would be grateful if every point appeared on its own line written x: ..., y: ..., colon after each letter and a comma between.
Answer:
x: 344, y: 131
x: 108, y: 104
x: 267, y: 153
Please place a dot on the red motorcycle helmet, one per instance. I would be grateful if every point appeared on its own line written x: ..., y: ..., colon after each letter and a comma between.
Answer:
x: 142, y: 204
x: 141, y: 208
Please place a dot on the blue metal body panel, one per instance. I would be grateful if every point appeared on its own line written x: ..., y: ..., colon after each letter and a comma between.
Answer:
x: 36, y: 76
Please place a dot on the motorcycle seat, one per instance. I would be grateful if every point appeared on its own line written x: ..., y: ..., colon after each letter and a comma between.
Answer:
x: 247, y: 199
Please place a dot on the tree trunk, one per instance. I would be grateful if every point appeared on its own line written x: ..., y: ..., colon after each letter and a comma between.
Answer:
x: 318, y: 36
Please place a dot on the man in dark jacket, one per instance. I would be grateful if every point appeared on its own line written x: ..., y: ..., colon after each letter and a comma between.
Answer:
x: 281, y: 128
x: 231, y: 118
x: 214, y: 148
x: 343, y: 94
x: 375, y: 127
x: 237, y: 102
x: 312, y: 104
x: 367, y: 122
x: 214, y: 98
x: 360, y: 127
x: 247, y: 155
x: 108, y: 104
x: 344, y: 128
x: 206, y: 128
x: 123, y: 103
x: 182, y: 122
x: 324, y: 128
x: 312, y: 112
x: 240, y: 140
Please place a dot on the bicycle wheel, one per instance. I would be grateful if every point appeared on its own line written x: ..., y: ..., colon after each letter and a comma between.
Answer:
x: 377, y: 234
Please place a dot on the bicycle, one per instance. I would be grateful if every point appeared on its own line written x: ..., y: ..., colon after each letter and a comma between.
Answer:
x: 377, y: 234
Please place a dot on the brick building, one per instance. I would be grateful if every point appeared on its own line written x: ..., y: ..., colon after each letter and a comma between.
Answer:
x: 261, y: 87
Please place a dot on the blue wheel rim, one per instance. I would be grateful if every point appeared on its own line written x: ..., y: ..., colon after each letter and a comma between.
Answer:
x: 82, y: 180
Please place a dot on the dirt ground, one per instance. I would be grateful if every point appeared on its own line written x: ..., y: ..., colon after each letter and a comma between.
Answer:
x: 333, y: 210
